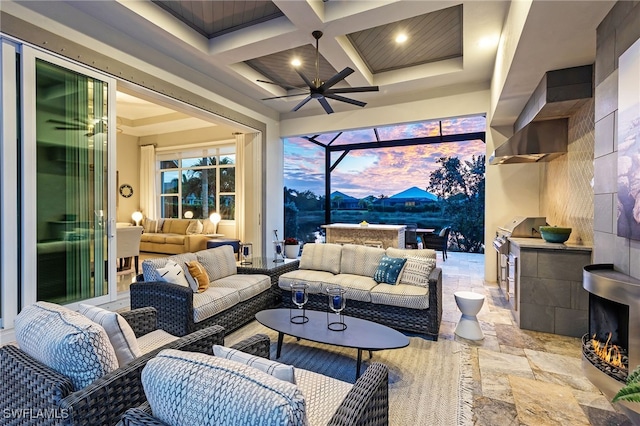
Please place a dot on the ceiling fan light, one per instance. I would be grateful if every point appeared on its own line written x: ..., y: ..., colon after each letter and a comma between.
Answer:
x: 401, y: 38
x: 296, y: 62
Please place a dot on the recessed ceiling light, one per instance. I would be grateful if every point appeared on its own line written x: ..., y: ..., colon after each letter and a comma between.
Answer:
x: 489, y: 41
x: 401, y: 38
x: 296, y: 62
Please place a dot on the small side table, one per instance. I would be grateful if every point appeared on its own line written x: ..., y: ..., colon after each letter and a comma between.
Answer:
x: 469, y: 304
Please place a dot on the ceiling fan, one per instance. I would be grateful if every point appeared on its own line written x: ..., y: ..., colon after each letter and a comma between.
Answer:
x: 322, y: 90
x: 99, y: 126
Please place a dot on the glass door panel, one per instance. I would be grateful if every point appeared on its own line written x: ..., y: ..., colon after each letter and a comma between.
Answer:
x: 71, y: 184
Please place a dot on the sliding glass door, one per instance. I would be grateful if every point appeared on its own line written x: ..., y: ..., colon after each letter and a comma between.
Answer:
x: 67, y: 173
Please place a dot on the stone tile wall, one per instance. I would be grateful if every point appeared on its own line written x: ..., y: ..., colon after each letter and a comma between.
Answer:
x: 616, y: 33
x: 566, y: 197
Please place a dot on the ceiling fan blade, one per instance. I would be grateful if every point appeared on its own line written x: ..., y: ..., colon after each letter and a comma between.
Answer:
x: 71, y: 127
x: 353, y: 89
x: 300, y: 105
x: 336, y: 78
x: 284, y: 86
x: 306, y: 80
x: 284, y: 96
x: 343, y: 99
x: 325, y: 105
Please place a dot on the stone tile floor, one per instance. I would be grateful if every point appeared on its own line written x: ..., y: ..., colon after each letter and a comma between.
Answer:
x: 521, y: 377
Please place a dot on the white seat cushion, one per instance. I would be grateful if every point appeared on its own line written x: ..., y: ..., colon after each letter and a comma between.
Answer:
x: 186, y: 388
x: 152, y: 341
x: 66, y: 341
x: 321, y: 257
x: 357, y: 287
x: 248, y: 285
x: 219, y: 262
x: 360, y: 260
x: 403, y: 295
x: 322, y: 394
x: 213, y: 301
x: 281, y: 371
x: 120, y: 333
x: 314, y: 279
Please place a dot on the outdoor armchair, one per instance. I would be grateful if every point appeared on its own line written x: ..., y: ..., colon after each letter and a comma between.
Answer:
x: 438, y: 242
x: 34, y: 394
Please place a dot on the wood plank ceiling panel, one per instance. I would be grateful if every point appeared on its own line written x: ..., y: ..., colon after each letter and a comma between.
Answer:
x: 215, y: 18
x: 431, y: 37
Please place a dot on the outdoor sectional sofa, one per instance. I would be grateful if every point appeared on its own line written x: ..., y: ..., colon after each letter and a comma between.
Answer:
x: 231, y: 300
x: 407, y: 307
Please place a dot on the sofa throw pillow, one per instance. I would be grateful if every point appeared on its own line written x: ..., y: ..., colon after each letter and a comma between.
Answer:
x: 173, y: 273
x: 273, y: 368
x: 199, y: 274
x: 389, y: 269
x: 120, y: 333
x: 65, y: 341
x: 416, y: 271
x: 198, y: 389
x: 194, y: 228
x: 151, y: 226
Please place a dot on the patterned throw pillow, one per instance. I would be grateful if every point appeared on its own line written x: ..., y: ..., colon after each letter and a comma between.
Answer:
x: 273, y: 368
x: 199, y: 389
x: 120, y: 333
x: 416, y: 271
x: 195, y: 227
x: 199, y: 274
x: 389, y: 269
x: 173, y: 273
x: 151, y: 226
x: 65, y: 341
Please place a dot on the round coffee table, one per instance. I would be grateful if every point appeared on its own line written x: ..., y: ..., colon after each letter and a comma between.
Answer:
x: 360, y: 334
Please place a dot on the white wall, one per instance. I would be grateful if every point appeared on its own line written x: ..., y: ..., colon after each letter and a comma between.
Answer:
x: 128, y: 167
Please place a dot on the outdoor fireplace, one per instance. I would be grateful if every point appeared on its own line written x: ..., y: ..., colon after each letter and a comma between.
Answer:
x: 612, y: 347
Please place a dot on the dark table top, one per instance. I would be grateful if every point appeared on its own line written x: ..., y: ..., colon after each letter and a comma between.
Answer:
x: 360, y: 334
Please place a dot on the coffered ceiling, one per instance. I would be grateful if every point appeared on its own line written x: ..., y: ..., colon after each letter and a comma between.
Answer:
x: 227, y: 46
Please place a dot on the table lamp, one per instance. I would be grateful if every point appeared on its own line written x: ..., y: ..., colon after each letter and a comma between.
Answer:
x: 215, y: 219
x: 137, y: 216
x: 188, y: 214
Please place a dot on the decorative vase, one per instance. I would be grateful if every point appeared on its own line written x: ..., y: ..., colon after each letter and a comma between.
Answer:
x: 291, y: 251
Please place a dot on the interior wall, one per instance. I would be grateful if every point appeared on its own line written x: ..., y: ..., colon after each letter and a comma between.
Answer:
x: 128, y: 167
x: 566, y: 194
x: 616, y: 33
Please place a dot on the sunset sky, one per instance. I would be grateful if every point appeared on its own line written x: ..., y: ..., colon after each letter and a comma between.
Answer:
x: 385, y: 171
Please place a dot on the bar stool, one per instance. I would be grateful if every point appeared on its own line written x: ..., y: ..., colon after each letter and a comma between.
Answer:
x: 469, y: 304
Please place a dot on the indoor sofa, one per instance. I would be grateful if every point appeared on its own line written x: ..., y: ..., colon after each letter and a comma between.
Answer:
x: 231, y: 299
x: 236, y: 388
x: 174, y: 236
x: 411, y: 302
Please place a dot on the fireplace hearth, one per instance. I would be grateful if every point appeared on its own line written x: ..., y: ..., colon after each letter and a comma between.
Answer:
x: 614, y: 325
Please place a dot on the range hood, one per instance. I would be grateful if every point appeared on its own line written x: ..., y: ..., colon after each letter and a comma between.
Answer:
x: 543, y: 123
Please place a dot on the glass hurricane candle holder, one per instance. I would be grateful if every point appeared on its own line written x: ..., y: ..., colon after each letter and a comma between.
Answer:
x: 246, y: 251
x: 337, y: 302
x: 299, y: 297
x: 278, y: 251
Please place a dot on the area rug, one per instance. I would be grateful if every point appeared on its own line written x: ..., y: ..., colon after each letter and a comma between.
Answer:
x: 429, y: 382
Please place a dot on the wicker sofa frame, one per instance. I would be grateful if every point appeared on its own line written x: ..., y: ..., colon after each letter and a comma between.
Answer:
x: 175, y: 303
x: 366, y: 404
x: 30, y: 386
x: 422, y: 321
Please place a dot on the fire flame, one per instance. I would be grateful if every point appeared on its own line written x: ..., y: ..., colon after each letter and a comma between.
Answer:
x: 611, y: 354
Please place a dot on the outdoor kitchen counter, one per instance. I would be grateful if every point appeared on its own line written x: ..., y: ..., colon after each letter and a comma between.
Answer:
x: 547, y: 277
x: 539, y: 243
x: 385, y: 235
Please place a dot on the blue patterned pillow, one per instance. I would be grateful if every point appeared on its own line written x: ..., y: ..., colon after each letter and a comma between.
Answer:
x: 198, y: 389
x: 389, y: 269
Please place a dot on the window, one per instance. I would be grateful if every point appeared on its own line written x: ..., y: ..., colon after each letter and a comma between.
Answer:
x: 198, y: 182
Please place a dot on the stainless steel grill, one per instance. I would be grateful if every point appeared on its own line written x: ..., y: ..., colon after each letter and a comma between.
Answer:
x: 519, y: 227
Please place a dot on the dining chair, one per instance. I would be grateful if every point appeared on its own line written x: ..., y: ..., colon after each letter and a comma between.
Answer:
x: 128, y: 243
